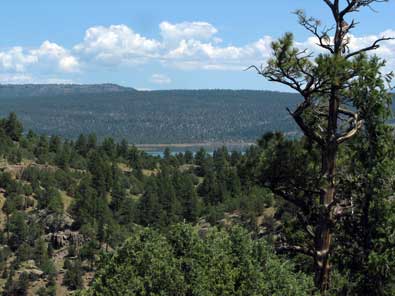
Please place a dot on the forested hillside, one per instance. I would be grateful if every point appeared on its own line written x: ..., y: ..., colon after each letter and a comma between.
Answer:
x: 176, y: 116
x: 65, y: 206
x: 109, y: 219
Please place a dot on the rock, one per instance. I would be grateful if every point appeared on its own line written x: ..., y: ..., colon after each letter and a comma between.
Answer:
x: 65, y: 238
x: 203, y: 228
x: 53, y: 222
x: 31, y: 269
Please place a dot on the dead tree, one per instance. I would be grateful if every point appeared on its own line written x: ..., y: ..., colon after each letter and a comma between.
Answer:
x: 324, y: 115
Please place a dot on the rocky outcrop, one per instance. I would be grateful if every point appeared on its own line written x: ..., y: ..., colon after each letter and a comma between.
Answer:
x: 65, y: 238
x: 31, y: 269
x: 53, y: 222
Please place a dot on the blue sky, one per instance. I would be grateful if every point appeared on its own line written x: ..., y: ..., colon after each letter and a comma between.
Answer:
x: 155, y: 44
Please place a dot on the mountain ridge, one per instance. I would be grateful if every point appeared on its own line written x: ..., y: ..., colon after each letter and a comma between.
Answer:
x: 110, y: 87
x: 149, y: 117
x: 32, y: 90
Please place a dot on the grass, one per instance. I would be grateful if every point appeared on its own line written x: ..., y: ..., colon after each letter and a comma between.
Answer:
x: 2, y: 215
x: 66, y: 199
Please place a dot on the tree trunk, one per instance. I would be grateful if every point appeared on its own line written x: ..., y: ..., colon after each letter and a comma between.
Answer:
x: 8, y: 226
x: 328, y: 192
x: 324, y: 230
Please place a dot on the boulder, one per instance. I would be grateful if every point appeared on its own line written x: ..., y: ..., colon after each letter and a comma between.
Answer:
x: 53, y: 222
x: 65, y: 238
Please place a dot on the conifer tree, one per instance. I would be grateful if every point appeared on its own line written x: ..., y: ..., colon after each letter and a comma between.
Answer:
x: 13, y: 127
x: 328, y: 115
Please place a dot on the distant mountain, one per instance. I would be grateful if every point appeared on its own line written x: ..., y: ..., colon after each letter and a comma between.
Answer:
x: 33, y: 90
x: 171, y: 116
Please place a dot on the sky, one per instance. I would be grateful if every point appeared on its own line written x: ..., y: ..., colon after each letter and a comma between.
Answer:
x: 156, y: 44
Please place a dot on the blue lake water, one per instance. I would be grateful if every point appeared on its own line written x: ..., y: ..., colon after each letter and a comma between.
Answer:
x: 209, y: 149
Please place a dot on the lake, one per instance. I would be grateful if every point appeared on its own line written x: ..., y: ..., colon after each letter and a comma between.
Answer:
x: 158, y: 149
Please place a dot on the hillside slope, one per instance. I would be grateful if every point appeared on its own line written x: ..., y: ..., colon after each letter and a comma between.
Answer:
x: 174, y: 116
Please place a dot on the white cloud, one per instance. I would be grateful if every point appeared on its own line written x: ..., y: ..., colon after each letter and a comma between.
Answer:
x: 185, y: 45
x: 206, y: 55
x: 16, y: 59
x: 187, y: 30
x: 160, y: 79
x: 117, y: 44
x: 50, y: 52
x: 51, y: 55
x: 199, y: 50
x: 26, y: 78
x: 68, y: 64
x: 15, y: 78
x: 386, y: 48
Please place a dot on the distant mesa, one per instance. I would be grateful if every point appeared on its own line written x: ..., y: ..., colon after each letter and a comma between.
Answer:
x: 148, y: 117
x: 32, y: 90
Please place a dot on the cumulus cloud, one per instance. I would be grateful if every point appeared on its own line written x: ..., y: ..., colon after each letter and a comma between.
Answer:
x: 50, y: 55
x: 191, y: 54
x: 160, y: 79
x: 53, y: 53
x: 117, y: 44
x: 184, y: 45
x: 191, y: 45
x: 186, y: 31
x: 16, y: 59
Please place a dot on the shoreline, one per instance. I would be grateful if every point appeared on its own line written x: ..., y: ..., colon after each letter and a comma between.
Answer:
x: 193, y: 145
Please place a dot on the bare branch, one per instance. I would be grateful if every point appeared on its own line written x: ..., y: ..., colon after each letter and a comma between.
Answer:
x: 329, y: 3
x: 350, y: 132
x: 281, y: 77
x: 319, y: 113
x: 255, y: 68
x: 348, y: 112
x: 308, y: 131
x: 355, y: 125
x: 332, y: 6
x: 284, y: 248
x: 350, y: 7
x: 339, y: 208
x: 374, y: 46
x: 290, y: 198
x: 355, y: 5
x: 306, y: 225
x: 312, y: 25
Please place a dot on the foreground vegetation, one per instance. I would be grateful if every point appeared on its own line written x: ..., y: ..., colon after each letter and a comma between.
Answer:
x: 344, y: 92
x: 109, y: 217
x: 64, y: 203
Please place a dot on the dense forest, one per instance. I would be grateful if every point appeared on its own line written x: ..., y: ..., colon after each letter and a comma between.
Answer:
x: 150, y: 117
x: 142, y: 117
x: 71, y: 209
x: 76, y: 213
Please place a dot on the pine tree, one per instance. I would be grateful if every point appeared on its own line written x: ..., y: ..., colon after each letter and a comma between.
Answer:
x: 118, y: 196
x: 81, y: 145
x: 122, y: 149
x: 148, y: 207
x: 13, y: 127
x: 73, y: 275
x: 55, y: 144
x: 323, y: 84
